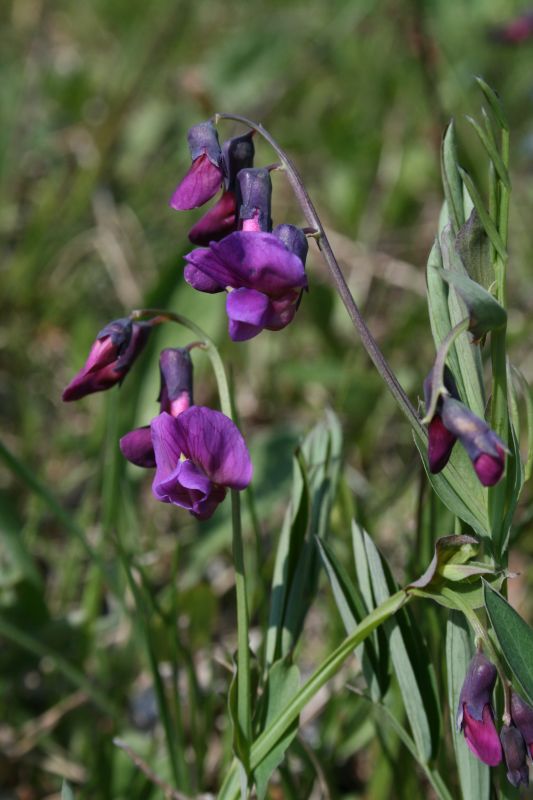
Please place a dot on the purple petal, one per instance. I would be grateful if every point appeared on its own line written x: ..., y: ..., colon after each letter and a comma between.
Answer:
x: 249, y: 306
x: 490, y: 469
x: 200, y: 281
x: 482, y: 737
x: 252, y: 261
x: 283, y: 309
x: 440, y: 444
x: 200, y: 184
x: 167, y: 448
x: 217, y: 222
x: 213, y: 442
x: 137, y: 447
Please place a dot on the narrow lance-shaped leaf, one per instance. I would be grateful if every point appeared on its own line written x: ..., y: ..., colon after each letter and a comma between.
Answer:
x: 472, y: 245
x: 451, y: 179
x: 492, y: 152
x: 486, y: 314
x: 484, y: 215
x: 515, y: 638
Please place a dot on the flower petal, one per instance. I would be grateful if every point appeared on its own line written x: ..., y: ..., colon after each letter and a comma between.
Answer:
x: 200, y: 184
x: 137, y: 447
x: 214, y: 443
x: 217, y: 222
x: 482, y: 737
x: 167, y: 449
x: 440, y: 444
x: 200, y: 281
x: 248, y: 306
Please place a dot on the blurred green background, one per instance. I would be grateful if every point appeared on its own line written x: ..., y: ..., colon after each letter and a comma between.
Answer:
x: 96, y: 99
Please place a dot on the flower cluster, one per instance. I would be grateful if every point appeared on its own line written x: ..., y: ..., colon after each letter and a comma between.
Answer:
x: 475, y: 717
x: 454, y: 421
x: 261, y: 269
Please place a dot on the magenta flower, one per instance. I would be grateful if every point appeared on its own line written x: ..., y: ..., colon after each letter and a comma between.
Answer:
x: 199, y: 455
x: 219, y: 221
x: 263, y: 274
x: 175, y: 396
x: 205, y: 176
x: 453, y: 420
x: 475, y: 716
x: 522, y: 715
x: 485, y: 449
x: 110, y: 358
x: 514, y: 750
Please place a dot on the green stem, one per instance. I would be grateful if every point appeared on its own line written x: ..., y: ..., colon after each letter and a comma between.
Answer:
x: 313, y: 220
x: 499, y: 407
x: 244, y: 712
x: 329, y: 667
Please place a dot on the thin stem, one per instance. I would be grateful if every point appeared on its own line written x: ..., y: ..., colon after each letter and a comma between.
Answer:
x: 499, y: 408
x: 244, y: 713
x: 310, y: 213
x: 437, y: 373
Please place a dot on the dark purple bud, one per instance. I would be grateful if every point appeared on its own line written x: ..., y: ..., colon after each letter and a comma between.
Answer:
x: 514, y: 750
x: 238, y: 154
x: 522, y: 715
x: 110, y: 358
x: 485, y: 449
x: 440, y: 440
x: 137, y: 447
x: 218, y: 222
x: 516, y: 31
x: 206, y: 173
x: 175, y: 366
x: 199, y: 455
x: 254, y: 199
x: 475, y: 716
x: 294, y: 240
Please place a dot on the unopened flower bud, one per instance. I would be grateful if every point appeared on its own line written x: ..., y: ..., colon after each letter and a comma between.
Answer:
x: 175, y: 366
x: 205, y: 176
x: 514, y: 750
x: 294, y: 240
x: 475, y: 715
x: 522, y: 716
x: 254, y: 198
x: 485, y: 449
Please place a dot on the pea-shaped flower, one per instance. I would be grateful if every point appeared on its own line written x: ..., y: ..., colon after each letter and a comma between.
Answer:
x: 199, y: 455
x: 263, y: 274
x: 475, y: 716
x: 514, y: 750
x: 115, y: 349
x: 522, y: 715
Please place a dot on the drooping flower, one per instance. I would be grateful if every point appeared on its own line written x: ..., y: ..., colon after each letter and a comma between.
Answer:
x: 175, y: 396
x: 219, y: 221
x: 485, y: 449
x: 475, y: 716
x: 522, y: 716
x: 263, y: 274
x: 453, y: 420
x: 206, y: 174
x: 514, y: 750
x: 440, y: 440
x: 115, y: 349
x: 199, y: 455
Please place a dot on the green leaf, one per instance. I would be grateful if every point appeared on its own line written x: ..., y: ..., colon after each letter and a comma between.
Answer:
x: 282, y: 684
x: 484, y: 215
x: 451, y: 179
x: 472, y: 245
x: 474, y: 776
x: 352, y: 609
x: 494, y: 101
x: 492, y: 151
x: 409, y: 654
x: 469, y: 502
x: 66, y: 791
x: 486, y: 314
x: 515, y: 638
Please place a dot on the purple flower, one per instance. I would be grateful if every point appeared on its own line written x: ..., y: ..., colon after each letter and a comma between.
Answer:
x: 475, y: 716
x: 514, y: 750
x: 218, y: 222
x: 110, y: 358
x: 206, y: 173
x: 453, y: 420
x: 522, y: 716
x: 263, y: 274
x: 199, y: 455
x: 440, y: 440
x: 175, y: 396
x: 485, y: 449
